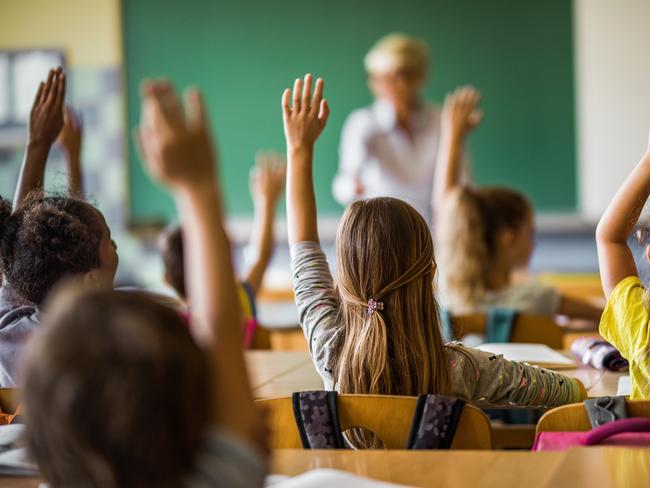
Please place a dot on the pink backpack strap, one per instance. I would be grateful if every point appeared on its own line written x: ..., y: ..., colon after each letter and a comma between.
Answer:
x: 634, y: 424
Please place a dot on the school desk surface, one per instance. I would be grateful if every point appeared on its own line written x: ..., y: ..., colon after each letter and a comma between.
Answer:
x: 275, y: 373
x: 587, y: 467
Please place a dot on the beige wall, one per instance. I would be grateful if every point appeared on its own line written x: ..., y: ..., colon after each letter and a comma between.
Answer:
x: 612, y: 94
x: 89, y: 31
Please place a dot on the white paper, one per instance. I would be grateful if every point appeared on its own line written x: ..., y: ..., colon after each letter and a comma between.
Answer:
x: 29, y: 69
x: 326, y: 478
x: 528, y: 353
x: 624, y: 386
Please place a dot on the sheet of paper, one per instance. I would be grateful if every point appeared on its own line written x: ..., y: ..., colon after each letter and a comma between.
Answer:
x: 537, y: 354
x: 326, y: 478
x: 624, y: 386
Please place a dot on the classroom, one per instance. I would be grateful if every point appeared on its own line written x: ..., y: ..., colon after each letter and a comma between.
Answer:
x: 309, y: 244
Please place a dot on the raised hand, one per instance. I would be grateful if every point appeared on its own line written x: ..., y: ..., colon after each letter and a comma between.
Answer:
x: 45, y: 123
x: 267, y: 178
x: 304, y: 115
x: 71, y: 134
x: 46, y: 116
x: 175, y: 140
x: 460, y: 114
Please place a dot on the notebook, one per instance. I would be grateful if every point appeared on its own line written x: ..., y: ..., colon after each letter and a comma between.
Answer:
x: 326, y: 478
x: 536, y: 354
x: 624, y: 386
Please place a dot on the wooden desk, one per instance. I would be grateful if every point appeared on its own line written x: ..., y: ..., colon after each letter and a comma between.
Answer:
x: 601, y: 467
x: 294, y: 371
x: 266, y: 367
x: 589, y: 468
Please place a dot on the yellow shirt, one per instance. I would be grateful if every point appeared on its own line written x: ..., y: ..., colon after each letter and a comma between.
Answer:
x: 626, y: 325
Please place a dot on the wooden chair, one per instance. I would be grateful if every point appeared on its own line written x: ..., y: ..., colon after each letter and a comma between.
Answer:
x: 389, y: 417
x: 261, y: 338
x: 533, y: 329
x: 9, y: 399
x: 570, y: 418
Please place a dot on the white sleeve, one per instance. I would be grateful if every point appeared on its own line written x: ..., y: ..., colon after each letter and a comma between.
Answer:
x: 353, y: 153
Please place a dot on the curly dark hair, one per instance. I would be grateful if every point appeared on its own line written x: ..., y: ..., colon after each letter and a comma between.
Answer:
x: 48, y: 238
x: 5, y: 212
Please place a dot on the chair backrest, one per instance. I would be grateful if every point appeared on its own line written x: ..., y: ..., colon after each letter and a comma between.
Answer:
x: 528, y: 328
x: 9, y: 399
x: 389, y: 417
x: 261, y: 338
x: 573, y: 418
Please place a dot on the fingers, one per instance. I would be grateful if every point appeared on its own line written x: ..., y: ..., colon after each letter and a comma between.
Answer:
x: 39, y: 94
x: 286, y: 104
x: 323, y: 113
x: 306, y: 95
x: 197, y: 116
x: 48, y: 87
x: 318, y: 95
x: 60, y: 91
x: 55, y: 86
x: 297, y: 94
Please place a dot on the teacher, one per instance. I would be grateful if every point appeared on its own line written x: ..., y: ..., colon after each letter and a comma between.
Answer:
x: 391, y: 147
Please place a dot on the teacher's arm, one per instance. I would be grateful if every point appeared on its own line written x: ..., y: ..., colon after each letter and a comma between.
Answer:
x: 347, y: 185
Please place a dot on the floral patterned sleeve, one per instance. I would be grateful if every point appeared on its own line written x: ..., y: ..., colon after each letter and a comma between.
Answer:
x: 317, y: 304
x: 482, y: 377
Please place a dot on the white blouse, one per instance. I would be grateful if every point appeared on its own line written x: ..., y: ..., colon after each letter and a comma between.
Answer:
x: 385, y: 159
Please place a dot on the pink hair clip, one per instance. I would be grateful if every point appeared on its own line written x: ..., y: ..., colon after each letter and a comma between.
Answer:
x: 374, y: 305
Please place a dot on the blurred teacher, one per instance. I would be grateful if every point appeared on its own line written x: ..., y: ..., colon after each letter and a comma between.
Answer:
x: 390, y: 148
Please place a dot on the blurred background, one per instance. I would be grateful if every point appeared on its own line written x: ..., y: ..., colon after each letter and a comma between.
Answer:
x: 565, y: 92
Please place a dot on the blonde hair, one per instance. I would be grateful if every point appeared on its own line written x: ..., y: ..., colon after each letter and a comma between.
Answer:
x: 470, y: 222
x: 385, y: 252
x: 395, y: 52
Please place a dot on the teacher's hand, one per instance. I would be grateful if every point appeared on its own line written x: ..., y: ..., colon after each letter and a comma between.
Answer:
x: 460, y: 114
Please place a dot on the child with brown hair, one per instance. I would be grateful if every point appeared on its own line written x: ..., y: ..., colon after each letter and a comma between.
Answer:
x: 267, y: 181
x: 189, y: 419
x: 376, y: 329
x: 486, y: 233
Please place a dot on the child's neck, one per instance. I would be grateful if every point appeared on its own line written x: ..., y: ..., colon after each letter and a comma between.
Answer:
x: 499, y: 276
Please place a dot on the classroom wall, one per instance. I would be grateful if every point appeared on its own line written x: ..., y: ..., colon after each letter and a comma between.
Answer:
x: 89, y: 32
x: 612, y: 94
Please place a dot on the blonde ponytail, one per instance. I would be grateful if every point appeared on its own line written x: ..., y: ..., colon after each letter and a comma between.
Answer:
x: 469, y: 225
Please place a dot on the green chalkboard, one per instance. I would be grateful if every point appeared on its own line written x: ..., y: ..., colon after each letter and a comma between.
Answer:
x: 243, y: 53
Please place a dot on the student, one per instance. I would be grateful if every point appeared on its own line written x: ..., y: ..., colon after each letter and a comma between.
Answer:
x: 45, y: 238
x: 626, y: 319
x: 85, y: 362
x: 266, y: 186
x: 486, y: 234
x: 378, y: 330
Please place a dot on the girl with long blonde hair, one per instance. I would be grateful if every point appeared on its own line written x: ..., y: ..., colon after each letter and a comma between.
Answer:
x: 378, y: 330
x: 486, y: 233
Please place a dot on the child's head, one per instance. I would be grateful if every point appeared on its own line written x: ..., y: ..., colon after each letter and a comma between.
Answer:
x: 385, y: 253
x: 480, y: 230
x: 171, y: 247
x: 116, y: 392
x: 51, y: 238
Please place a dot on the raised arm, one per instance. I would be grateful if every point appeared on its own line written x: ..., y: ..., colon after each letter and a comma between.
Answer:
x: 614, y: 257
x: 266, y: 185
x: 304, y: 120
x: 460, y: 115
x: 45, y: 123
x: 70, y: 141
x: 180, y: 154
